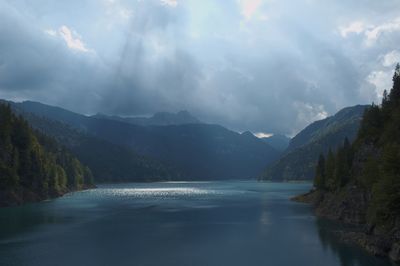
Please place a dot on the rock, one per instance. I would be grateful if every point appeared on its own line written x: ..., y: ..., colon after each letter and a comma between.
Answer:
x: 394, y: 253
x: 312, y: 197
x: 350, y: 206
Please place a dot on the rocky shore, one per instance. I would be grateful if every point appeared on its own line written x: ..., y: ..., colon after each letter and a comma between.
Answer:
x: 350, y: 206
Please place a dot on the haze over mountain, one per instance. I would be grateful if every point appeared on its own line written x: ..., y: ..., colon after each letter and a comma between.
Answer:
x: 278, y: 142
x: 197, y: 151
x: 158, y: 119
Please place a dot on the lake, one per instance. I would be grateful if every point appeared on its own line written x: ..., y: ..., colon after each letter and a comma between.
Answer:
x: 175, y: 223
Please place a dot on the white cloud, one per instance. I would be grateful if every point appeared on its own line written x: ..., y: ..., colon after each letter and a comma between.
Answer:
x: 382, y: 80
x: 261, y: 135
x: 308, y: 113
x: 72, y: 39
x: 373, y: 34
x: 171, y: 3
x: 249, y: 7
x: 391, y: 59
x: 355, y: 27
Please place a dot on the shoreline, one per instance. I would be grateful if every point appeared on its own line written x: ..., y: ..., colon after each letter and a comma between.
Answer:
x: 370, y: 238
x: 20, y: 198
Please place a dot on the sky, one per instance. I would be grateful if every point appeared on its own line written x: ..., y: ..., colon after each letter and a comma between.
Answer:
x: 268, y: 66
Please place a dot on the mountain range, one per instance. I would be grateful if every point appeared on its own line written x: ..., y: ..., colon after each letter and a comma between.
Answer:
x: 183, y: 151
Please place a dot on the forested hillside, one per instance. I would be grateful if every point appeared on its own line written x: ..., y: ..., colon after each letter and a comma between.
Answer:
x: 299, y: 159
x: 109, y: 162
x: 33, y: 166
x: 360, y: 183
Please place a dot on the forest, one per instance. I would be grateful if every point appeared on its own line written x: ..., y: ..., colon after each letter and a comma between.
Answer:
x: 33, y: 166
x: 371, y: 162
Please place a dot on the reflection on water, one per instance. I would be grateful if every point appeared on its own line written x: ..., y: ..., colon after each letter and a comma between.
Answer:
x: 348, y: 253
x: 176, y: 223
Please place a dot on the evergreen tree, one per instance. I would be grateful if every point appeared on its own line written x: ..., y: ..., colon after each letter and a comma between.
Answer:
x: 330, y: 171
x: 394, y: 96
x: 320, y: 176
x: 377, y: 168
x: 33, y: 164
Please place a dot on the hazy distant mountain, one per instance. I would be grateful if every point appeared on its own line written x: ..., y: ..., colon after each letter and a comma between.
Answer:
x: 158, y: 119
x: 109, y: 162
x: 299, y: 160
x: 278, y: 142
x: 200, y: 151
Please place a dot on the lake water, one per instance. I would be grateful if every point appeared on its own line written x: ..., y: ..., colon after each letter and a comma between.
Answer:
x: 188, y: 223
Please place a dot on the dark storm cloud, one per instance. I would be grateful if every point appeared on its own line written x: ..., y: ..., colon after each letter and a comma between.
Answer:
x: 264, y: 66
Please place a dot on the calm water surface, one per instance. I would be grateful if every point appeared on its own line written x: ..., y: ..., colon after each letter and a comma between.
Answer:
x: 189, y: 223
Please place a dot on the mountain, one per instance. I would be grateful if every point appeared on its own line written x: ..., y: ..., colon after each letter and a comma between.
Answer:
x: 278, y: 142
x: 34, y: 167
x: 109, y: 162
x: 158, y: 119
x: 198, y: 151
x: 299, y: 159
x: 360, y: 183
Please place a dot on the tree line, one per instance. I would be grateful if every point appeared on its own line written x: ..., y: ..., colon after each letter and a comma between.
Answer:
x: 372, y: 162
x: 34, y: 166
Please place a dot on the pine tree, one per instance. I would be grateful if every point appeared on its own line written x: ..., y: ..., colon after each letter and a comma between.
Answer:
x: 395, y: 92
x: 330, y: 171
x: 319, y: 181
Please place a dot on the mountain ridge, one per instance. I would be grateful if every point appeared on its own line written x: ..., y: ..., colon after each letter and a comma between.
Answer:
x: 299, y: 160
x: 202, y: 151
x: 158, y: 119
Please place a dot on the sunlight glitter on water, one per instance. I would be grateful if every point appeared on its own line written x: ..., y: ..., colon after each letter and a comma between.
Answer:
x: 160, y: 192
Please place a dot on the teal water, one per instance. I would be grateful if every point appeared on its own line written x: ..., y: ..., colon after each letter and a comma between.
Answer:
x: 188, y: 223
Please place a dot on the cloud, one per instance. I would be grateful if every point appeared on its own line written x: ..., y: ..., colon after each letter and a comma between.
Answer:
x: 217, y: 59
x: 390, y: 59
x: 118, y: 10
x: 72, y: 39
x: 373, y: 34
x: 171, y: 3
x: 51, y: 32
x: 261, y: 135
x: 355, y: 27
x: 382, y: 80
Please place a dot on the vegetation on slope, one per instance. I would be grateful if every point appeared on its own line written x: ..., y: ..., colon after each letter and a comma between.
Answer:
x: 369, y: 168
x: 373, y: 161
x: 109, y: 162
x: 299, y: 160
x: 34, y: 167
